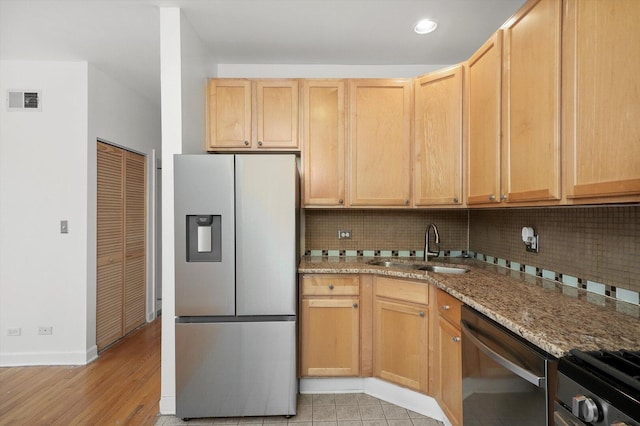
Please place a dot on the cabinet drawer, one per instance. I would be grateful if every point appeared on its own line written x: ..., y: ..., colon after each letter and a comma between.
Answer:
x: 407, y: 291
x: 449, y: 307
x: 330, y: 285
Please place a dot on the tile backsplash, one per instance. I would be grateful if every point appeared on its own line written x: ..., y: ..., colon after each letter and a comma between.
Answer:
x: 383, y: 229
x: 596, y: 244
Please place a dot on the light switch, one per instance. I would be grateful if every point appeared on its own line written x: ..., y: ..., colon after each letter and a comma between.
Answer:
x: 64, y: 227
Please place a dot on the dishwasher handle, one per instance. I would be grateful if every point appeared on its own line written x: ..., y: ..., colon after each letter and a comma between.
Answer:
x: 508, y: 364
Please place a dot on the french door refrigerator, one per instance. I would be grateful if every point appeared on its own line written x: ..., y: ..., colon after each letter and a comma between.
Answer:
x: 235, y: 292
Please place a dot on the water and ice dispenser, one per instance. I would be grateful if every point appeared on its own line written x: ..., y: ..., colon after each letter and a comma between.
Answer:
x: 204, y: 238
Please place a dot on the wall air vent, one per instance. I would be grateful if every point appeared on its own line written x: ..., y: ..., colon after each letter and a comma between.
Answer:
x: 24, y: 100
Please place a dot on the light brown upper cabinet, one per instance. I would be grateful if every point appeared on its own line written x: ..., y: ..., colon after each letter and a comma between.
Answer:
x: 601, y: 101
x: 483, y: 122
x: 380, y: 142
x: 259, y: 114
x: 323, y: 140
x: 437, y: 174
x: 531, y: 104
x: 514, y: 111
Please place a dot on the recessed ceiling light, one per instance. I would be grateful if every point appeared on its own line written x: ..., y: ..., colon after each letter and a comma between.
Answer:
x: 425, y: 26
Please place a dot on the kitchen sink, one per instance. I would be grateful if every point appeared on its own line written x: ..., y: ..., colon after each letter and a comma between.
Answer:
x: 391, y: 264
x: 418, y: 266
x: 442, y: 269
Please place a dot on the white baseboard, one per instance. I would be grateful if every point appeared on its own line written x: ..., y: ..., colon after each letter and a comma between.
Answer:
x: 22, y: 359
x: 168, y: 405
x: 402, y: 397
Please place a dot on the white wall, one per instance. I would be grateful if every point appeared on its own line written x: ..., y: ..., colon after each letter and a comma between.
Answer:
x: 119, y: 115
x: 184, y: 68
x: 323, y: 71
x: 47, y: 174
x: 197, y: 67
x: 43, y: 179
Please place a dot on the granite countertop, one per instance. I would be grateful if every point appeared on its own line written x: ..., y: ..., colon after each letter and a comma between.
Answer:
x: 550, y: 315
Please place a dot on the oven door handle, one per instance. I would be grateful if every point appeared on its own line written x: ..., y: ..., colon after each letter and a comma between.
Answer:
x: 508, y: 364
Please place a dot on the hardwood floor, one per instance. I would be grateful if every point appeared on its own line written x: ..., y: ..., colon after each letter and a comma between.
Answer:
x: 121, y: 387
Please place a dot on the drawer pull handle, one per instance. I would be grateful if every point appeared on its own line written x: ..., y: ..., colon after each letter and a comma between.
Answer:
x: 259, y: 143
x: 446, y: 307
x: 355, y: 305
x: 246, y: 143
x: 340, y: 201
x: 455, y: 339
x: 330, y: 286
x: 422, y: 314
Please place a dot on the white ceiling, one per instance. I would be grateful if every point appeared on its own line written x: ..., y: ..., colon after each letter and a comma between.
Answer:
x: 121, y: 37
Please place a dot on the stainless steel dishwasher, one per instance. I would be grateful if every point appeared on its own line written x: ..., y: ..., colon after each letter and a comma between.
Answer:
x: 505, y: 379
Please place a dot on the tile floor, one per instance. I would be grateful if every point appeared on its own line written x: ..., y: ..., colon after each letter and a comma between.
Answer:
x: 350, y: 409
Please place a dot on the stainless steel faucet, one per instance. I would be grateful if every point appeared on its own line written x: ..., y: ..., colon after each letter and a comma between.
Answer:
x: 428, y: 254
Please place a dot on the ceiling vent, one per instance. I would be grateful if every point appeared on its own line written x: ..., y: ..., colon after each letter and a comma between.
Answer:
x: 24, y: 100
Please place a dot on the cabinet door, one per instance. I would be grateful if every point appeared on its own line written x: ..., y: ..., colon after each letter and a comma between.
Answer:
x: 229, y: 124
x: 277, y: 113
x: 601, y: 105
x: 330, y: 340
x: 110, y: 238
x: 483, y: 92
x: 135, y: 282
x: 324, y: 132
x: 437, y: 176
x: 449, y: 371
x: 380, y: 142
x: 531, y: 103
x: 400, y: 344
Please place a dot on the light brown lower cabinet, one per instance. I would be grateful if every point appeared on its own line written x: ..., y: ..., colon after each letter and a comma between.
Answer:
x: 329, y: 326
x: 401, y: 332
x: 447, y: 355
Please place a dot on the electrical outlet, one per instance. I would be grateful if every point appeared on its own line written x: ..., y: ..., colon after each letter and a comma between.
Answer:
x: 14, y: 331
x: 344, y: 234
x: 45, y: 331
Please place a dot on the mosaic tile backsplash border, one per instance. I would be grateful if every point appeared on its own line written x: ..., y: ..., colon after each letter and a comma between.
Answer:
x: 621, y: 294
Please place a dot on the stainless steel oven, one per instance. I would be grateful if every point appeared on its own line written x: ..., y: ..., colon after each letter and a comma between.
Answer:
x: 505, y: 379
x: 598, y: 388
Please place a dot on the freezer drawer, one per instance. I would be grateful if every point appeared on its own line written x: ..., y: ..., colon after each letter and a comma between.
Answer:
x: 233, y: 369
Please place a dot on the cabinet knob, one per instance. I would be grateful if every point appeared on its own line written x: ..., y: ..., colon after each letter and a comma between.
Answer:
x: 330, y: 286
x: 259, y: 143
x: 446, y: 307
x: 406, y: 202
x: 355, y: 305
x: 340, y: 201
x: 246, y: 143
x: 492, y: 197
x: 455, y: 339
x: 455, y: 199
x: 503, y: 197
x: 422, y: 313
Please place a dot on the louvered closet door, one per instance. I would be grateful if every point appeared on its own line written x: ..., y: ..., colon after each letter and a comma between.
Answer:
x: 109, y: 245
x: 134, y: 249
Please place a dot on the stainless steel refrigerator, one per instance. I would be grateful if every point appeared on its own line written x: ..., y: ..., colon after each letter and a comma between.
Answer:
x: 235, y: 269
